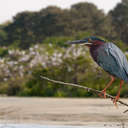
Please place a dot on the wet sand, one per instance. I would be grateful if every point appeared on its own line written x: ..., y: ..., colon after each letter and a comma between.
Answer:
x: 61, y: 111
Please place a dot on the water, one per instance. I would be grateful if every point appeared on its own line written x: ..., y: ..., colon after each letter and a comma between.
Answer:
x: 51, y: 126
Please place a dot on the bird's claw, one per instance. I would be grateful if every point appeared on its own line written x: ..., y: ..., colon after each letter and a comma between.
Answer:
x: 115, y: 101
x: 103, y: 93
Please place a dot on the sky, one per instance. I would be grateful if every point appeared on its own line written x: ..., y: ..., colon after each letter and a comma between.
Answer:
x: 9, y: 8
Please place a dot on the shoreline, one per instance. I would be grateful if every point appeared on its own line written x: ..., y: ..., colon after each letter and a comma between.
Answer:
x: 61, y: 111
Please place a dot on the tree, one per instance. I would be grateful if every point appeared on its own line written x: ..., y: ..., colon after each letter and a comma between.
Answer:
x: 125, y: 2
x: 120, y: 20
x: 29, y: 28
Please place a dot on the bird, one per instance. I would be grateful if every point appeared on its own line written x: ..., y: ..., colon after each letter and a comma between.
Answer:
x: 109, y: 57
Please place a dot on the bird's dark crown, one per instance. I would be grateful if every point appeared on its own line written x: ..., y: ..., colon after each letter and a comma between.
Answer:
x: 93, y: 39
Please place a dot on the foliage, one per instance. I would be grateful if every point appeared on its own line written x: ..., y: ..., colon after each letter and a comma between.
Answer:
x: 34, y: 44
x: 3, y: 52
x: 119, y: 17
x: 29, y: 28
x: 57, y: 41
x: 20, y: 72
x: 69, y: 67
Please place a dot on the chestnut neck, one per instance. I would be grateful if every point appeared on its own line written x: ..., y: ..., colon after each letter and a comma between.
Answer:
x: 96, y: 44
x: 94, y: 49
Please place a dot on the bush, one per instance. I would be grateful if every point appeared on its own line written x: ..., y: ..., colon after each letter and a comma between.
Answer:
x: 57, y: 41
x: 3, y: 52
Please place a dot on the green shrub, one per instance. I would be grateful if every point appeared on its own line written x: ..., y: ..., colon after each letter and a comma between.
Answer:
x: 57, y: 41
x: 3, y: 52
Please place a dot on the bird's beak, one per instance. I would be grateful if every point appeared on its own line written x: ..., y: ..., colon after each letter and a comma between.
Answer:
x: 81, y: 42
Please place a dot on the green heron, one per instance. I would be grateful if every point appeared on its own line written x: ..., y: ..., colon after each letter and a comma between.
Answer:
x: 110, y: 58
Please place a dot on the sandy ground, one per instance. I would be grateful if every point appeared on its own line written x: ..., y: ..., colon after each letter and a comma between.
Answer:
x: 61, y: 111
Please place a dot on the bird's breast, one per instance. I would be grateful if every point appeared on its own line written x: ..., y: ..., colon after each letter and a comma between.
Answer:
x: 94, y: 50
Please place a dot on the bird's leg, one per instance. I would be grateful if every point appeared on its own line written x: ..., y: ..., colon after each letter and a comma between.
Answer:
x: 118, y: 94
x: 108, y: 85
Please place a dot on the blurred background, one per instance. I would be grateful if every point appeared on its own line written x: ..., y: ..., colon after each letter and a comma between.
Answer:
x: 32, y: 43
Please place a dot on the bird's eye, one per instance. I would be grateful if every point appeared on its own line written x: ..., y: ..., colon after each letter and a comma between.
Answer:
x: 89, y: 40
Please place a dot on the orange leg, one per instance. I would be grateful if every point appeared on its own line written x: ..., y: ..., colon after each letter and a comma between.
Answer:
x: 118, y: 94
x: 108, y: 85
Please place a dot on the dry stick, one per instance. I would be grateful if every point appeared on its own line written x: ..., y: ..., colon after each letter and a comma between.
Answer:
x: 86, y: 88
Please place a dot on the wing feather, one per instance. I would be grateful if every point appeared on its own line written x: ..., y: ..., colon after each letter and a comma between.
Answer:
x: 112, y: 60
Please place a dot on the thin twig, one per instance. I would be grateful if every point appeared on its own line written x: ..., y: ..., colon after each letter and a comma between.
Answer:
x: 86, y: 88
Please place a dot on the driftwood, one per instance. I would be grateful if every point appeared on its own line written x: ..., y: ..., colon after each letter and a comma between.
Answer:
x: 86, y: 88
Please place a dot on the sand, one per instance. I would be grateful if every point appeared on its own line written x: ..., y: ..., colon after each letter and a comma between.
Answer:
x: 61, y: 111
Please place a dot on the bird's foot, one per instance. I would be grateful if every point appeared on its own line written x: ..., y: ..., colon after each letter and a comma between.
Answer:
x: 115, y: 100
x: 103, y: 93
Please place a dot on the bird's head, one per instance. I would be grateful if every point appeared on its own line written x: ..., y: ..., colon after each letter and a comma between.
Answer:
x: 89, y: 41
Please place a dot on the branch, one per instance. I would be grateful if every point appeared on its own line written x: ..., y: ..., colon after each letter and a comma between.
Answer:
x: 86, y: 88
